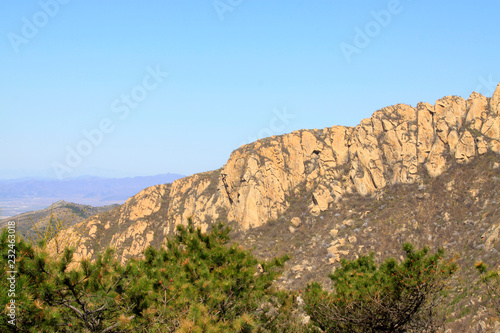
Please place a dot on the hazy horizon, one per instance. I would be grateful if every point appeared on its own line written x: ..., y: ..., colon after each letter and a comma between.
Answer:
x: 48, y: 174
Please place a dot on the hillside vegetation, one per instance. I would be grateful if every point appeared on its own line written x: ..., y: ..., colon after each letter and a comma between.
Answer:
x: 199, y: 282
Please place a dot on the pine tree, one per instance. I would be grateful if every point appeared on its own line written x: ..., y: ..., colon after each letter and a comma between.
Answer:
x: 391, y: 297
x: 197, y: 282
x: 96, y: 296
x: 203, y: 282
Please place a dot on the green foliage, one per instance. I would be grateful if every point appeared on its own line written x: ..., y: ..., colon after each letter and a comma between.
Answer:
x: 491, y: 280
x: 44, y: 230
x: 198, y: 282
x: 391, y: 297
x: 201, y: 282
x: 52, y: 297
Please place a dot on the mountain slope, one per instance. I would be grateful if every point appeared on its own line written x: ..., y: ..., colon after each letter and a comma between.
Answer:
x: 397, y: 145
x: 429, y: 175
x: 458, y: 211
x: 71, y: 213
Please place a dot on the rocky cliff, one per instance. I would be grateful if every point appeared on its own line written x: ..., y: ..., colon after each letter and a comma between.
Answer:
x: 261, y: 181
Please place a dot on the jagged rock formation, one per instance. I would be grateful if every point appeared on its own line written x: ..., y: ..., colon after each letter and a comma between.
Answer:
x: 399, y: 144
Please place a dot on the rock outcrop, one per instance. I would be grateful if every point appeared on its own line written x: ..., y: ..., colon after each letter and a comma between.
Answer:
x: 399, y: 144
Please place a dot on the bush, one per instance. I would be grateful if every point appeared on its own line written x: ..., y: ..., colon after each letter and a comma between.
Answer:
x: 50, y: 297
x: 392, y: 297
x: 197, y: 283
x: 491, y: 280
x: 202, y: 284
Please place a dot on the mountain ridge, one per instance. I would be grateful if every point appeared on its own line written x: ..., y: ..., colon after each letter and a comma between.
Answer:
x: 396, y: 145
x: 69, y: 212
x: 428, y: 175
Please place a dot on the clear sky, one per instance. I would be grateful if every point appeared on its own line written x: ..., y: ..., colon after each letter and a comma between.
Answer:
x: 84, y: 84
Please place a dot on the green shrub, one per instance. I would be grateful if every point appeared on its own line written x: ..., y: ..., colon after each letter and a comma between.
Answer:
x: 491, y: 280
x: 391, y: 297
x: 198, y: 282
x: 201, y: 282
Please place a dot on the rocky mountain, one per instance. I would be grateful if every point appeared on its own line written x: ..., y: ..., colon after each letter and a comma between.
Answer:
x: 427, y: 174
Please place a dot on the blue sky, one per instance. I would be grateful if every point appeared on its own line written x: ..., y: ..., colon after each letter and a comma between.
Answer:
x: 237, y: 70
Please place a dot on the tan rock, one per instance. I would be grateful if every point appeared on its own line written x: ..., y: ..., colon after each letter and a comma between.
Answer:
x: 92, y: 230
x: 338, y: 141
x: 495, y: 146
x: 322, y: 197
x: 334, y: 259
x: 256, y: 183
x: 466, y: 148
x: 453, y: 140
x: 314, y: 210
x: 449, y: 185
x: 332, y: 249
x: 298, y: 268
x: 476, y: 105
x: 348, y: 223
x: 491, y: 236
x: 474, y: 192
x: 491, y: 127
x: 451, y: 109
x: 495, y: 101
x: 145, y: 203
x: 296, y: 221
x: 436, y: 161
x: 426, y: 131
x: 482, y: 146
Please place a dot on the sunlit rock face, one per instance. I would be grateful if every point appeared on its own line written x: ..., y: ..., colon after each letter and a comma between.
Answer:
x: 398, y: 144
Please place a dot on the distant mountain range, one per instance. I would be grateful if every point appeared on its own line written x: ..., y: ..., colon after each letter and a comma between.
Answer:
x: 48, y: 174
x: 22, y: 195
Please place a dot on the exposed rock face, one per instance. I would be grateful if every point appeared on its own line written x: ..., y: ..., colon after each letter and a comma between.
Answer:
x: 398, y: 144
